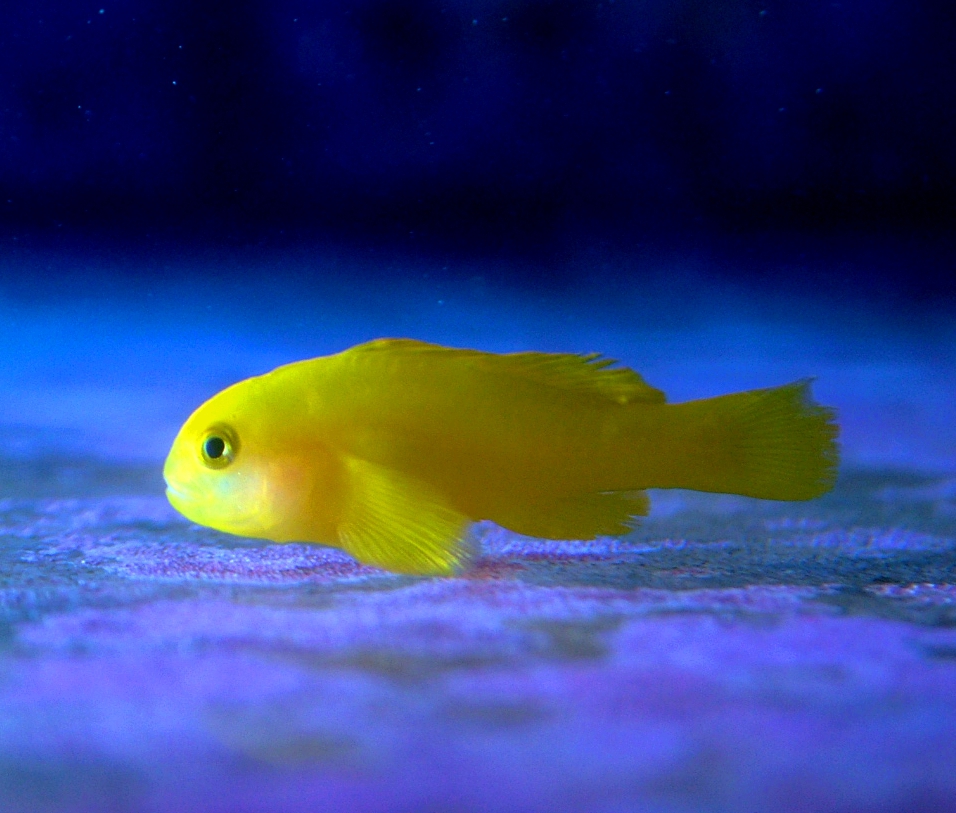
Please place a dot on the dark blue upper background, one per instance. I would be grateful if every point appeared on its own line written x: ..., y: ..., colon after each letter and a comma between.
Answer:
x: 479, y: 125
x: 721, y: 195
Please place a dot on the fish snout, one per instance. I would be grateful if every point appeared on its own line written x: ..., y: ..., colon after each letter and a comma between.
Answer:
x: 178, y: 493
x: 179, y: 497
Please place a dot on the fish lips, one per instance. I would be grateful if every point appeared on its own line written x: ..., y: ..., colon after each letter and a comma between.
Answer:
x: 179, y: 497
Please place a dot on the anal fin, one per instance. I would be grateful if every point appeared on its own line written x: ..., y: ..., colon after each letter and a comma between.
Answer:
x: 399, y: 523
x: 582, y: 516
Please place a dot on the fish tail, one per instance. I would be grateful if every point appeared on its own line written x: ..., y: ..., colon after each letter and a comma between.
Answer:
x: 776, y: 444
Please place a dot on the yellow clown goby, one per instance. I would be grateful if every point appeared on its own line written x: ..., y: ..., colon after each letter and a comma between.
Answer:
x: 390, y: 449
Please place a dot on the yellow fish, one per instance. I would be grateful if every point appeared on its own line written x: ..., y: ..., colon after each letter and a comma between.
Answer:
x: 390, y: 449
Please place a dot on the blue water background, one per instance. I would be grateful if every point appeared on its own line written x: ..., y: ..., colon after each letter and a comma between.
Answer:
x: 105, y: 353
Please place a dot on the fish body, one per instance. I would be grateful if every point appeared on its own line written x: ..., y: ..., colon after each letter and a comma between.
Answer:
x: 391, y: 448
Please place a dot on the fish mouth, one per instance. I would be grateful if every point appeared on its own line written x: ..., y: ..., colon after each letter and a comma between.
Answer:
x: 176, y: 495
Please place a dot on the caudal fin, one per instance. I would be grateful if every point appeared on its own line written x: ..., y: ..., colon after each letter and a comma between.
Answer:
x: 775, y: 444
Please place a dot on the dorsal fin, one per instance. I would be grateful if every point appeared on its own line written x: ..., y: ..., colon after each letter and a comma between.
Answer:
x: 586, y: 373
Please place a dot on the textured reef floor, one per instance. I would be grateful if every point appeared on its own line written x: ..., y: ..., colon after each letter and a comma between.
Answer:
x: 729, y: 655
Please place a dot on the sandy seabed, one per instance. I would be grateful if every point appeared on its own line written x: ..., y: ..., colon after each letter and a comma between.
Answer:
x: 729, y: 655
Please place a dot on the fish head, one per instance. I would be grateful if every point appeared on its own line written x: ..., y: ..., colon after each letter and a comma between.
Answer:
x: 233, y: 466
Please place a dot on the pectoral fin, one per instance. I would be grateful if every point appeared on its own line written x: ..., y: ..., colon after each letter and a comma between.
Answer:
x: 401, y: 524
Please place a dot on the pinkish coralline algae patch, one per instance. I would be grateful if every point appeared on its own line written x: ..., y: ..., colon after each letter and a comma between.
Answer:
x: 733, y: 656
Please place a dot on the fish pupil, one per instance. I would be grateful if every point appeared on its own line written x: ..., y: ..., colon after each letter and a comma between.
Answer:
x: 214, y: 447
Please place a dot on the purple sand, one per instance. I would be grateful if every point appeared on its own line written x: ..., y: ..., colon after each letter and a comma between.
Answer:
x: 729, y: 655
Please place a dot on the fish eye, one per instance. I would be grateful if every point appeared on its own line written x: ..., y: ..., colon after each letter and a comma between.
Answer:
x: 219, y: 446
x: 214, y: 446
